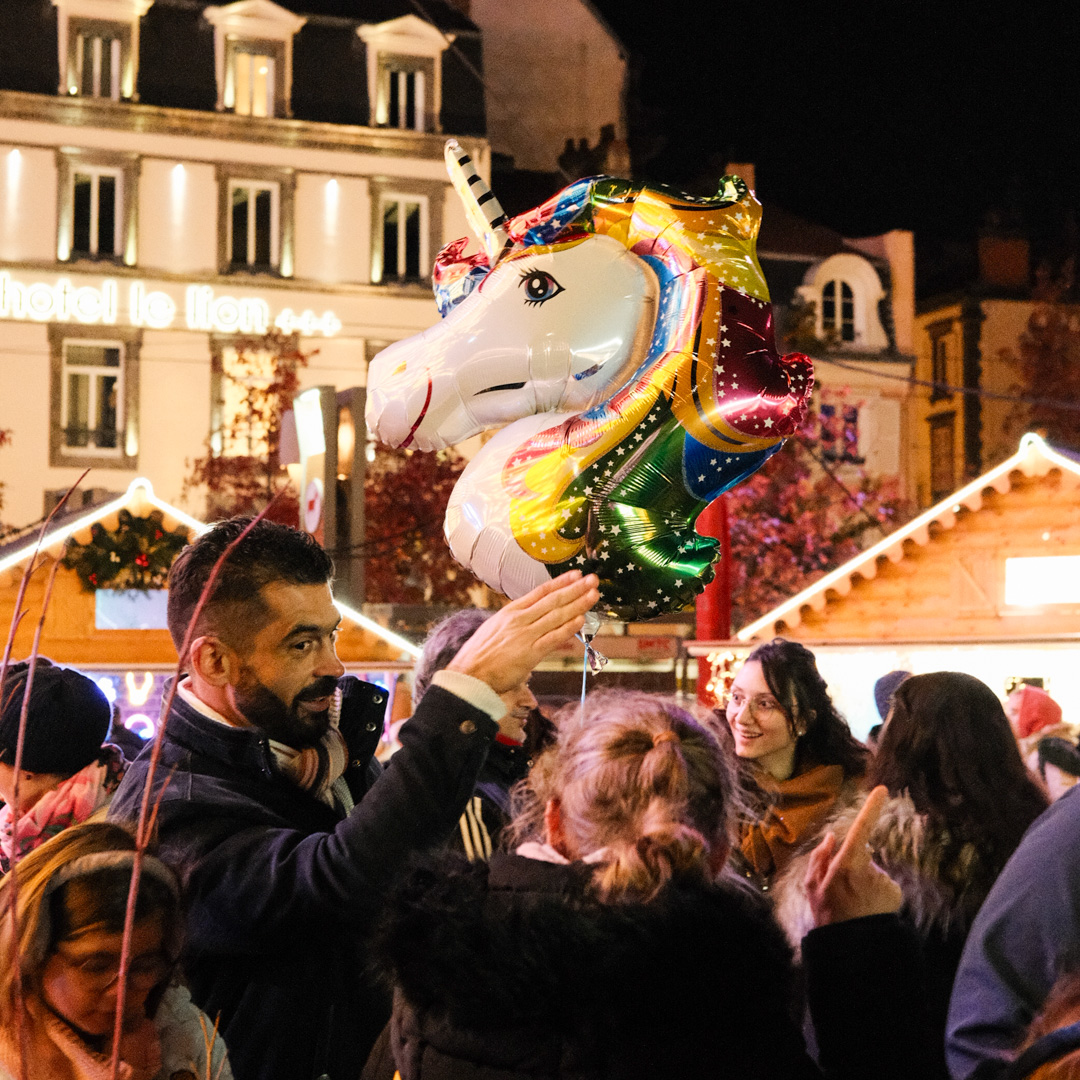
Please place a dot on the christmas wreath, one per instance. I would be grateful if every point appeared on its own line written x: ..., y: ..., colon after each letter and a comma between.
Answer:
x: 136, y: 554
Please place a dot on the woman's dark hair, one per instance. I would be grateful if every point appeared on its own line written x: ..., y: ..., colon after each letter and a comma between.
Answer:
x: 792, y: 675
x: 948, y: 744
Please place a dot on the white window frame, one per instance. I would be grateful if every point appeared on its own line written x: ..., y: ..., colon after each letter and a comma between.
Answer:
x: 93, y: 373
x: 95, y: 172
x: 241, y: 107
x: 253, y: 186
x: 403, y: 122
x: 839, y: 321
x: 402, y: 198
x: 115, y: 67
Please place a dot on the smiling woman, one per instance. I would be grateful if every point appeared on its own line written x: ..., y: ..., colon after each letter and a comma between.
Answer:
x: 799, y: 755
x: 71, y: 902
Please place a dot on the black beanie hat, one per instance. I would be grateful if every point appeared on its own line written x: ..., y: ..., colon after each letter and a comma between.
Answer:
x: 67, y: 722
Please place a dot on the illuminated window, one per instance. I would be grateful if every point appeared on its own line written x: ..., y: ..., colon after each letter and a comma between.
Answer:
x: 95, y: 212
x: 240, y: 419
x: 840, y: 433
x: 98, y: 196
x: 93, y: 395
x: 253, y: 224
x: 254, y: 83
x: 1042, y: 580
x: 402, y: 254
x: 403, y: 96
x: 838, y: 309
x: 942, y: 456
x: 97, y: 64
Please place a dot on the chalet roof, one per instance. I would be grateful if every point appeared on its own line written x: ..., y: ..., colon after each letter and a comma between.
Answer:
x: 138, y: 497
x: 1034, y: 458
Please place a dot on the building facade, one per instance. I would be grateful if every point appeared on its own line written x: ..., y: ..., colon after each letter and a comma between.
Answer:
x: 176, y: 175
x: 850, y: 304
x: 965, y: 416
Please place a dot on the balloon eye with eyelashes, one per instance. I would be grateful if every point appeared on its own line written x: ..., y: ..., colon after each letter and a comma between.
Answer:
x: 540, y: 286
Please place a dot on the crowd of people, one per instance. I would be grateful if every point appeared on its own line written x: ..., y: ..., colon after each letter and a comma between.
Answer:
x: 626, y: 889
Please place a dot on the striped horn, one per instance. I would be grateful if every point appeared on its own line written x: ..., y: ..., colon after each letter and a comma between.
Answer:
x: 486, y: 216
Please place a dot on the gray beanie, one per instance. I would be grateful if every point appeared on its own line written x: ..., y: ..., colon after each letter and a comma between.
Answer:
x: 66, y: 724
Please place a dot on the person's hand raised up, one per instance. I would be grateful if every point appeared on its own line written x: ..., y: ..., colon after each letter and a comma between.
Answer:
x: 847, y: 884
x: 506, y: 648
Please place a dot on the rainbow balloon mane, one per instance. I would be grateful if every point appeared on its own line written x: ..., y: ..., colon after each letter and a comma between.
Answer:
x: 608, y: 471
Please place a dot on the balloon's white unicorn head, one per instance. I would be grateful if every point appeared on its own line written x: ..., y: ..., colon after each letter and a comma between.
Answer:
x: 623, y: 334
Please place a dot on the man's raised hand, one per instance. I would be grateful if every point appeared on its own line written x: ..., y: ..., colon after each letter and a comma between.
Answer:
x: 506, y: 648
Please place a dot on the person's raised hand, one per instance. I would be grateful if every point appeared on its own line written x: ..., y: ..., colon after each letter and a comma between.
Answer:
x: 847, y: 884
x: 140, y: 1049
x: 506, y: 648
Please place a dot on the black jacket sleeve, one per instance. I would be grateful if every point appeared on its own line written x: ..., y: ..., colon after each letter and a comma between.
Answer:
x: 864, y: 991
x: 256, y: 884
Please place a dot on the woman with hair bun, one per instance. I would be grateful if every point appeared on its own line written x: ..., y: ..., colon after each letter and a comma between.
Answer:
x: 799, y: 757
x: 611, y: 945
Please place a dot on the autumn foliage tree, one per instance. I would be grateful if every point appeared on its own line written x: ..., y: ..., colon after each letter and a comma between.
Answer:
x: 241, y: 471
x: 408, y: 560
x: 1048, y: 362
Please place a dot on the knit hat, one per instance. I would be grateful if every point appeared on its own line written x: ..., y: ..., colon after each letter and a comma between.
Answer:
x: 884, y: 689
x: 1032, y: 709
x: 66, y: 724
x: 1060, y: 752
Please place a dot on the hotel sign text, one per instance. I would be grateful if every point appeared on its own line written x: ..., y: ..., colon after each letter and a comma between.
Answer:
x: 133, y: 304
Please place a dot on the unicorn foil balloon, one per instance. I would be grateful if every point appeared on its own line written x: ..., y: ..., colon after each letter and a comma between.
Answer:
x: 620, y: 337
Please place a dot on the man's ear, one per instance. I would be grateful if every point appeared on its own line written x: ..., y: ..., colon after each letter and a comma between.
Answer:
x: 214, y: 662
x: 553, y: 826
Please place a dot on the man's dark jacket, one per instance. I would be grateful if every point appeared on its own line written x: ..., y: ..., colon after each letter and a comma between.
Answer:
x: 280, y: 889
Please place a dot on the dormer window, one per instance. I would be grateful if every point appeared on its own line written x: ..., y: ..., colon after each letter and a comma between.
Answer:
x: 253, y: 56
x: 838, y: 310
x: 405, y: 73
x: 845, y: 290
x: 99, y: 47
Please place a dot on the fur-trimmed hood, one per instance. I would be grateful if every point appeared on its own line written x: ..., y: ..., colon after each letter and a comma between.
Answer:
x: 943, y: 885
x: 512, y: 965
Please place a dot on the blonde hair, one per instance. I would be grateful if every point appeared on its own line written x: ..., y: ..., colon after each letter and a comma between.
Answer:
x: 53, y: 902
x: 637, y: 778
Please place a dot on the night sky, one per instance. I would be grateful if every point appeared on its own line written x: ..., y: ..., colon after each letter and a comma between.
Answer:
x: 870, y: 116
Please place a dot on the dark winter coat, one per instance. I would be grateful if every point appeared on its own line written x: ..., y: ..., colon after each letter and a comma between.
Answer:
x: 480, y: 828
x: 943, y: 884
x: 281, y: 890
x: 1026, y: 934
x: 510, y: 970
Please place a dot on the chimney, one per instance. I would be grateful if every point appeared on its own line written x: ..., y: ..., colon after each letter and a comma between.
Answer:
x: 1004, y: 261
x: 745, y: 171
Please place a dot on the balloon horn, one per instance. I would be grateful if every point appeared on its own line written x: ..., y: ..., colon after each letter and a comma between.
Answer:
x: 486, y: 217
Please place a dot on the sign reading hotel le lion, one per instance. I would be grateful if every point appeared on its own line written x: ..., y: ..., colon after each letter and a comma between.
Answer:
x: 131, y: 303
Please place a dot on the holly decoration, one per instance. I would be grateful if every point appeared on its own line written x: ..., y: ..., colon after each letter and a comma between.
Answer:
x: 137, y: 554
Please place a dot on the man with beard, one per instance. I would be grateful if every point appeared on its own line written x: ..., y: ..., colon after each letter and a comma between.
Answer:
x: 271, y: 805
